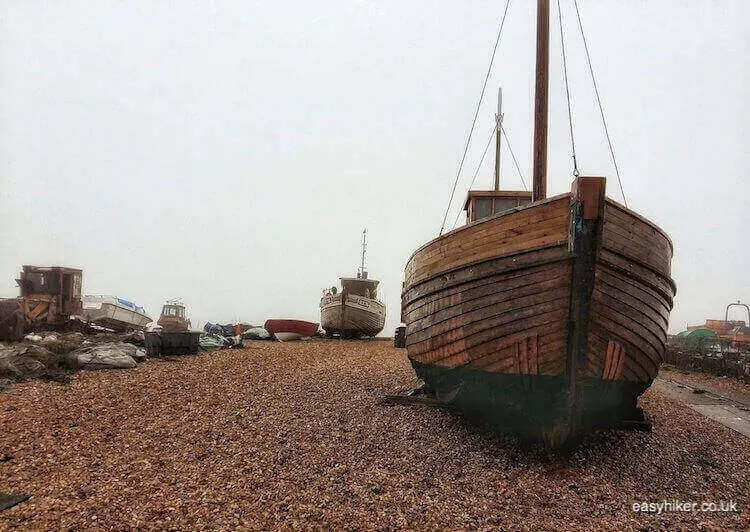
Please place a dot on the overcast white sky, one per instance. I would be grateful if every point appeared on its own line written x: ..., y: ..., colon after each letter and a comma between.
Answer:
x: 231, y: 152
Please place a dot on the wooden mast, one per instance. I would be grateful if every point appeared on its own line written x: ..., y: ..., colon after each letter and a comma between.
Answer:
x: 541, y: 101
x: 498, y: 133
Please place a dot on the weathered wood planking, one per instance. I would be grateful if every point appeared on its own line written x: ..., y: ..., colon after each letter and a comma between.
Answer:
x: 468, y: 292
x: 623, y: 287
x: 490, y: 238
x: 637, y: 224
x: 434, y: 349
x: 553, y: 235
x: 640, y: 251
x: 495, y: 295
x: 612, y: 306
x: 633, y: 370
x: 460, y: 277
x: 495, y: 316
x: 638, y: 273
x: 633, y: 295
x: 498, y: 355
x: 513, y: 296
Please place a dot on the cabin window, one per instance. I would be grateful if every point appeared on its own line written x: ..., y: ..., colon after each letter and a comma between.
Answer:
x: 485, y: 203
x: 76, y: 286
x: 40, y: 283
x: 483, y: 208
x: 504, y: 204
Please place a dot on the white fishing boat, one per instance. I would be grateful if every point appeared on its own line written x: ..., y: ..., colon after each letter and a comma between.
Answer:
x: 114, y: 313
x: 355, y: 311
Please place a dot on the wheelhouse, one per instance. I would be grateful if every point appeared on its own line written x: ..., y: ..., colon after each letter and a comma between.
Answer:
x: 481, y: 204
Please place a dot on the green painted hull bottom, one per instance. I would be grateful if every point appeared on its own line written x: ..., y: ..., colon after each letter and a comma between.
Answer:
x: 533, y: 406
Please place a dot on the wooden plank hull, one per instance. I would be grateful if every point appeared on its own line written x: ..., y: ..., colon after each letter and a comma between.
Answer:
x: 288, y: 329
x: 556, y: 312
x: 351, y: 316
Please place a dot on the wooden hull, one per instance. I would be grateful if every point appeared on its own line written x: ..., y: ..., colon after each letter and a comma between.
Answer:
x: 285, y: 330
x: 351, y: 316
x: 546, y: 320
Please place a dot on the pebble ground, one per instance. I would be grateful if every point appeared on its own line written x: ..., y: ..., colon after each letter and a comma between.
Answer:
x: 291, y: 435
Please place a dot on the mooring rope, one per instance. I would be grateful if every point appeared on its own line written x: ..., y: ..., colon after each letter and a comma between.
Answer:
x: 476, y: 114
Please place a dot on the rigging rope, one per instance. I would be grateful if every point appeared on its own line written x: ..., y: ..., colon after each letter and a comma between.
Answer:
x: 484, y: 154
x: 479, y: 166
x: 567, y: 89
x: 515, y: 161
x: 476, y: 113
x: 599, y: 101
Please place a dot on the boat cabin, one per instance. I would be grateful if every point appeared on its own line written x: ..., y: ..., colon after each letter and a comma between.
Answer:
x: 58, y: 284
x: 481, y: 204
x: 173, y: 310
x: 173, y: 317
x: 360, y: 286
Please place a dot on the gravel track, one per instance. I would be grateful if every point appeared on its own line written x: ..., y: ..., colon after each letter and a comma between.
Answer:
x: 292, y: 435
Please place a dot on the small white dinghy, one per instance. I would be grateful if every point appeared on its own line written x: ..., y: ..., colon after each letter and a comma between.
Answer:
x: 114, y: 313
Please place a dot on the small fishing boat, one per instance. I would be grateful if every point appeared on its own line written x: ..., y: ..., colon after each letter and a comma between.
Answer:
x: 285, y: 330
x: 173, y: 317
x: 541, y: 316
x: 114, y: 313
x: 355, y: 311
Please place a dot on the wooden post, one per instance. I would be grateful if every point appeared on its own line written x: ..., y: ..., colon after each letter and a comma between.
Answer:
x: 541, y: 101
x: 587, y: 211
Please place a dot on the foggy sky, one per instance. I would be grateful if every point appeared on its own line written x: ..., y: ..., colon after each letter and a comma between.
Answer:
x: 231, y: 152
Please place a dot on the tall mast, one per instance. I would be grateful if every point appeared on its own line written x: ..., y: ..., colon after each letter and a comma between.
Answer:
x: 362, y: 273
x: 541, y: 100
x: 498, y: 133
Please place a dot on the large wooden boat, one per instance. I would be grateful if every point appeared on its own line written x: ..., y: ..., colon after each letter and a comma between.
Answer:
x: 542, y: 316
x: 355, y: 311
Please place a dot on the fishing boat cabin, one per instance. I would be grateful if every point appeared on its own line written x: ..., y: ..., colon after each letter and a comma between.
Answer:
x: 54, y: 292
x: 482, y: 204
x: 49, y: 297
x: 173, y: 318
x: 360, y: 286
